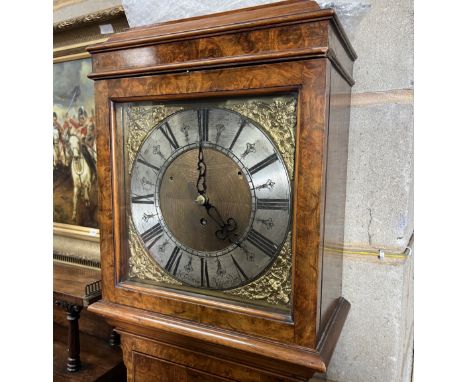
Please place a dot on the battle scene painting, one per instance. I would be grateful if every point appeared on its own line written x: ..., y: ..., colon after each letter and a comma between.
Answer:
x: 74, y: 145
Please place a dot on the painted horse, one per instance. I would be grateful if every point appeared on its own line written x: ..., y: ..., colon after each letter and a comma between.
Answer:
x: 83, y: 170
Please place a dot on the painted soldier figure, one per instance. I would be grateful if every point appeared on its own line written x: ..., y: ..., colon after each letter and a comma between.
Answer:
x: 90, y: 139
x: 79, y: 127
x: 56, y: 123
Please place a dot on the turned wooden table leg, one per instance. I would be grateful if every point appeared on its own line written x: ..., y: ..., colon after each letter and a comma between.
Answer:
x: 73, y: 315
x: 114, y: 339
x: 74, y: 362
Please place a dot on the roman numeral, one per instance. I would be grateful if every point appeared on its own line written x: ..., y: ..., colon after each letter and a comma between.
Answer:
x: 142, y: 161
x: 203, y: 124
x: 264, y: 163
x: 262, y: 243
x: 166, y: 130
x: 143, y: 199
x: 273, y: 204
x: 174, y: 259
x: 155, y: 232
x: 239, y: 131
x: 204, y: 272
x: 241, y: 271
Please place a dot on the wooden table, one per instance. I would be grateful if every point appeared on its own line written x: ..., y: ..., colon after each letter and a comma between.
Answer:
x: 75, y: 287
x: 100, y: 362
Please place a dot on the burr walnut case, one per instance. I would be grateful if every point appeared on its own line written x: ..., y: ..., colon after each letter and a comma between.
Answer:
x: 222, y: 156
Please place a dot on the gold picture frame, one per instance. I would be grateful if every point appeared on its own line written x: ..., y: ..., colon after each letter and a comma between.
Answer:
x: 77, y: 243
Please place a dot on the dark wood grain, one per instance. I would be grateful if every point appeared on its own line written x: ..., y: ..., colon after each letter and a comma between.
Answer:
x: 104, y: 187
x: 216, y: 23
x: 288, y: 46
x: 277, y: 350
x: 276, y: 43
x: 309, y: 198
x: 282, y: 31
x: 150, y: 368
x: 206, y: 362
x: 70, y: 282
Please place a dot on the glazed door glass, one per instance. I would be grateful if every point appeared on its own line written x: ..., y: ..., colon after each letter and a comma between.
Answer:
x: 208, y: 199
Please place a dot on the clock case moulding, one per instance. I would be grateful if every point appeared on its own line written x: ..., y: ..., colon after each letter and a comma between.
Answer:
x: 291, y: 46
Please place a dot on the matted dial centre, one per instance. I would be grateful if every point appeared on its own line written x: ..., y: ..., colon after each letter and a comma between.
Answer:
x: 226, y: 188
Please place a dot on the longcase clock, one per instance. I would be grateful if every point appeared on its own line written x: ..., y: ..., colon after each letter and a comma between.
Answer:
x: 222, y: 151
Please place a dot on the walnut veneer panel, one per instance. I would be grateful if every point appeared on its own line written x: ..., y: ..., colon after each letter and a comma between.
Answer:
x: 292, y: 39
x: 153, y: 360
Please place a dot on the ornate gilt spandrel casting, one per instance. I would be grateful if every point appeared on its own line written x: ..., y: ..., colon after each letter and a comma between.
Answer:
x: 141, y: 120
x: 141, y: 265
x: 274, y: 287
x: 277, y: 116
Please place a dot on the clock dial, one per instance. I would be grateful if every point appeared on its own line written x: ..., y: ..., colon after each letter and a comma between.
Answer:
x: 210, y: 198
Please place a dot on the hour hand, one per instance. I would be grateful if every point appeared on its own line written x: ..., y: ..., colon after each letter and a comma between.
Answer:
x: 201, y: 181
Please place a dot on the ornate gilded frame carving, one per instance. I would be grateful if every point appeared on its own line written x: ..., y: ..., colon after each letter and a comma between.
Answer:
x: 91, y: 18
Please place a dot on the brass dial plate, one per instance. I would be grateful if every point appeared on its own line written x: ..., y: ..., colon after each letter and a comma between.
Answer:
x: 227, y: 189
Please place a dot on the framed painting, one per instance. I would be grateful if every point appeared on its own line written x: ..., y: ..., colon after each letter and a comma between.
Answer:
x: 74, y: 145
x: 75, y: 205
